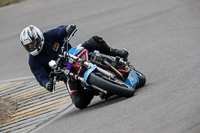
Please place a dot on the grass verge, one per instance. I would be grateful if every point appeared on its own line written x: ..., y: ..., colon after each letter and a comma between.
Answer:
x: 8, y: 2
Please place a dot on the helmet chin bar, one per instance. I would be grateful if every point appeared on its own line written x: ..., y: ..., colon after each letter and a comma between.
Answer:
x: 35, y: 52
x: 38, y: 50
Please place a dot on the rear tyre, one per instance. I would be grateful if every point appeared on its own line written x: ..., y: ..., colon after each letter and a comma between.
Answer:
x: 120, y: 89
x: 142, y: 79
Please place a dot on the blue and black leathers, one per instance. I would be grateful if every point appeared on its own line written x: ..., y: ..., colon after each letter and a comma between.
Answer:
x: 52, y: 47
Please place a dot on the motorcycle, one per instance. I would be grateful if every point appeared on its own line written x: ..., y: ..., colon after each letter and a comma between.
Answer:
x: 98, y: 72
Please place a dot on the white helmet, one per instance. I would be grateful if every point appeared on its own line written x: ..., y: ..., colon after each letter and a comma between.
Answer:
x: 32, y: 39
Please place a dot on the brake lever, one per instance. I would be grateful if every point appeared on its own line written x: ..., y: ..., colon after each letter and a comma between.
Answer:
x: 54, y: 83
x: 53, y: 78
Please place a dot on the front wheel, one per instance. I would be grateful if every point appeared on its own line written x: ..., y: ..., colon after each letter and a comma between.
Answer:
x: 114, y: 86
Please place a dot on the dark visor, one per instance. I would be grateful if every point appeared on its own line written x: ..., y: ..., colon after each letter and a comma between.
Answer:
x: 31, y: 46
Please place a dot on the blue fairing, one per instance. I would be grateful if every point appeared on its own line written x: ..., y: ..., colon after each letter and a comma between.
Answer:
x: 132, y: 79
x: 76, y: 50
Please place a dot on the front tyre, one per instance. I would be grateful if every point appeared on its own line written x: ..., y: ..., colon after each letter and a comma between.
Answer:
x: 118, y: 88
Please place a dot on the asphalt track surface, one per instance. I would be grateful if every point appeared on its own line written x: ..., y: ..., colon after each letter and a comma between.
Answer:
x: 163, y: 38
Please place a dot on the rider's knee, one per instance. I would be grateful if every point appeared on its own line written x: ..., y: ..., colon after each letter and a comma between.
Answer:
x: 82, y: 100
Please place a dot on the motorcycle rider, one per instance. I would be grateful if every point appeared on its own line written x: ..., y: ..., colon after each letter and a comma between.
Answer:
x: 45, y: 46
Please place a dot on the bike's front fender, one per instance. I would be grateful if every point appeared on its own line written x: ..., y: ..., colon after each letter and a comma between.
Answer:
x: 88, y: 72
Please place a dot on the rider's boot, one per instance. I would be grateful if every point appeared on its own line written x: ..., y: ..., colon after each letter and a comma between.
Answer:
x: 121, y: 53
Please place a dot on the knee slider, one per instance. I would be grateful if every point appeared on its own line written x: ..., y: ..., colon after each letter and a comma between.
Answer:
x: 79, y: 103
x: 98, y: 39
x: 102, y: 46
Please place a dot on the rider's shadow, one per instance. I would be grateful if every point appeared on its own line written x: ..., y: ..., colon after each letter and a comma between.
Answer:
x: 97, y: 103
x: 102, y: 103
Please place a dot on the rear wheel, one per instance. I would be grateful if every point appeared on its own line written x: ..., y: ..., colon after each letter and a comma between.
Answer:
x: 113, y: 86
x: 142, y: 79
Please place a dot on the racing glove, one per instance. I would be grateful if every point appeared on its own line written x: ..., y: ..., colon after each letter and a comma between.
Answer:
x: 70, y: 28
x: 49, y: 87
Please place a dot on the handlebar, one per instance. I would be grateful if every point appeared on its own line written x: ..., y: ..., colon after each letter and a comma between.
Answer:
x: 66, y: 54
